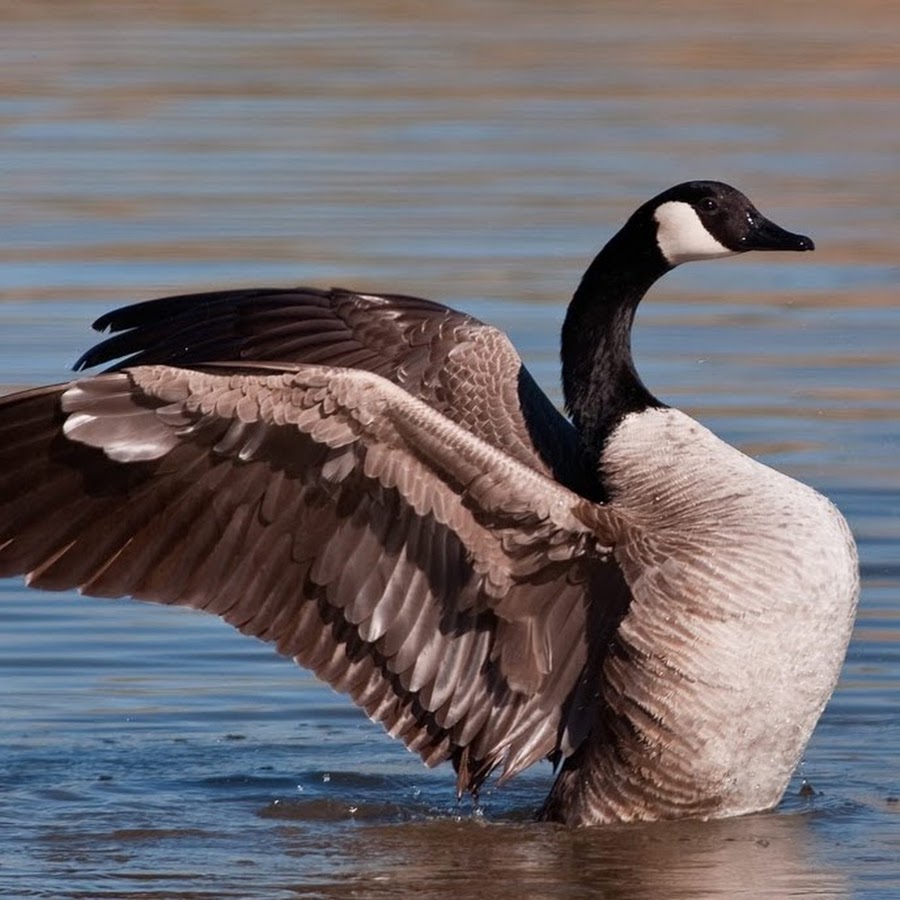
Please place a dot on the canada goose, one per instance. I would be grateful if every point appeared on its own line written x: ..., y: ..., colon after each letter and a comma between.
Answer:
x: 375, y: 484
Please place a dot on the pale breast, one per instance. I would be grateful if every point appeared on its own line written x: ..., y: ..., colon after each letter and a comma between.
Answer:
x: 744, y: 587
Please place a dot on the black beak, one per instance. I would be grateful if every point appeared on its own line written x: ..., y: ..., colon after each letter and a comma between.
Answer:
x: 766, y: 235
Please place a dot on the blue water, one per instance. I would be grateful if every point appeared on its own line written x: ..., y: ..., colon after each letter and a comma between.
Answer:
x: 479, y: 156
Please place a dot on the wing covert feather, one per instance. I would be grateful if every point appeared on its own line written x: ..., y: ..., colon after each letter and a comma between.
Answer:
x: 461, y: 367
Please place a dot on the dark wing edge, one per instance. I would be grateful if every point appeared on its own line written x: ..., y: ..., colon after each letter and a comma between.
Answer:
x: 299, y: 325
x: 442, y: 585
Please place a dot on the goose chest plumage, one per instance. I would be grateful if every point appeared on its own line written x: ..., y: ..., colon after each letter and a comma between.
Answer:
x: 375, y: 484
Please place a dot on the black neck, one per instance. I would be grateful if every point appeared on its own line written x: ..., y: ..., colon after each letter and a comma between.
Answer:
x: 600, y: 384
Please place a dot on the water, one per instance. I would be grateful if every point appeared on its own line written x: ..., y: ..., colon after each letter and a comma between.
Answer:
x: 479, y: 155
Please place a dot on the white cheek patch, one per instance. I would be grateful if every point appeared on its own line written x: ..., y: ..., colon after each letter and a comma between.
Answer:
x: 682, y: 237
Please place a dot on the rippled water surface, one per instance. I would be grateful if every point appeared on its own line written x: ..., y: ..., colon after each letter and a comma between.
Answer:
x: 478, y: 154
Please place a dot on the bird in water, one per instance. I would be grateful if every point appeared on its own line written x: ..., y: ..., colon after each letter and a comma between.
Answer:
x: 375, y: 484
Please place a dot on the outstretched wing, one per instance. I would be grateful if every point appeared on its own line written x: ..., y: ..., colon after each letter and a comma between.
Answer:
x: 443, y: 585
x: 459, y: 366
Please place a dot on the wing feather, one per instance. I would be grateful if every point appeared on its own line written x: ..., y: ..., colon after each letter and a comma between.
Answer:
x: 458, y: 365
x: 331, y: 513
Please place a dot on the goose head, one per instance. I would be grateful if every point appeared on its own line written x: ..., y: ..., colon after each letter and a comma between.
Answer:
x: 695, y: 220
x: 708, y: 219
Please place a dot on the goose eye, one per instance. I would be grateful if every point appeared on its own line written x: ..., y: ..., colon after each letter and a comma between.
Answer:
x: 707, y: 204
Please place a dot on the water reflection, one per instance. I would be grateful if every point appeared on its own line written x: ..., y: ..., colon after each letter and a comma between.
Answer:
x: 757, y: 856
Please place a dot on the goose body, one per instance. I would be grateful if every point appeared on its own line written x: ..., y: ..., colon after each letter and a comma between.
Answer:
x: 375, y: 484
x: 734, y: 633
